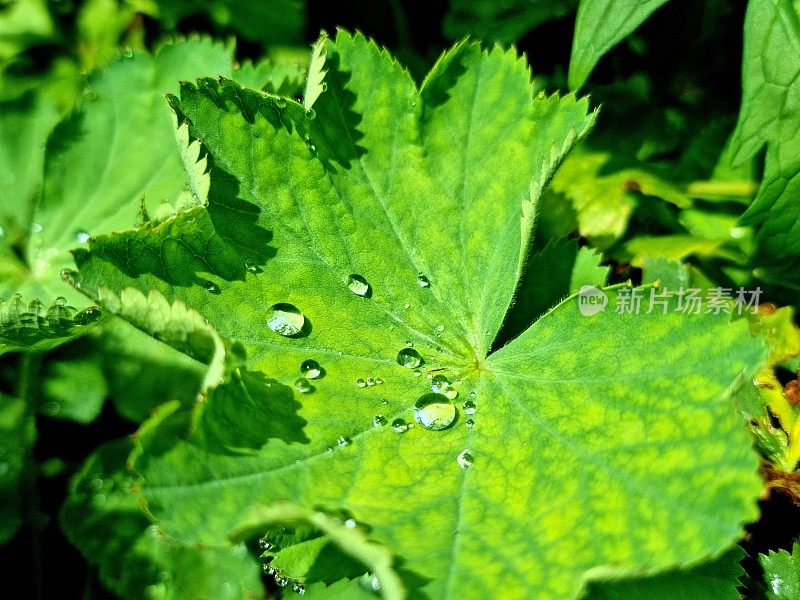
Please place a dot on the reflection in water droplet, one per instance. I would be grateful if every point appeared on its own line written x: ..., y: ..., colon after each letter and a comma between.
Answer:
x: 409, y: 358
x: 343, y: 441
x: 434, y: 411
x: 379, y: 421
x: 361, y: 383
x: 465, y: 459
x: 311, y: 369
x: 358, y: 285
x: 303, y: 385
x: 399, y: 426
x: 285, y: 319
x: 423, y: 281
x: 440, y: 384
x: 469, y: 407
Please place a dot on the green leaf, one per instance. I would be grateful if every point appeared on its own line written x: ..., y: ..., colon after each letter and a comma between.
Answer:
x: 23, y: 23
x: 102, y: 517
x: 770, y: 103
x: 601, y: 25
x: 616, y: 428
x: 782, y: 573
x: 501, y: 21
x: 17, y: 435
x: 717, y: 578
x: 73, y: 384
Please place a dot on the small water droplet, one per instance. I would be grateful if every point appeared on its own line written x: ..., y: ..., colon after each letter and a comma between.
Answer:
x: 379, y: 421
x: 361, y: 383
x: 451, y: 394
x: 343, y: 441
x: 440, y: 384
x: 370, y: 381
x: 82, y: 236
x: 434, y: 411
x: 473, y: 394
x: 303, y: 385
x: 210, y: 286
x: 399, y: 426
x: 409, y: 344
x: 280, y: 102
x: 359, y: 286
x: 298, y: 588
x: 265, y: 544
x: 409, y: 358
x: 469, y: 407
x: 465, y: 459
x: 127, y: 52
x: 310, y: 369
x: 87, y: 315
x: 440, y: 328
x: 251, y: 266
x: 423, y: 281
x: 329, y: 449
x: 406, y: 306
x: 384, y: 402
x: 350, y: 523
x: 36, y: 228
x: 96, y: 484
x: 378, y: 381
x: 281, y: 579
x: 470, y: 423
x: 417, y: 373
x: 285, y: 319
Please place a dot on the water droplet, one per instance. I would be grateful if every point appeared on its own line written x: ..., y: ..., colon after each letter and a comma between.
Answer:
x: 434, y: 411
x: 399, y: 426
x: 469, y: 407
x: 210, y: 286
x: 378, y: 381
x: 285, y: 319
x: 359, y: 286
x: 423, y: 281
x: 409, y: 358
x: 303, y: 385
x: 36, y: 228
x: 87, y: 316
x: 329, y: 449
x: 310, y: 369
x: 440, y: 328
x: 280, y: 102
x: 409, y: 344
x: 298, y: 588
x: 251, y: 266
x: 370, y: 381
x: 406, y: 306
x: 465, y: 459
x: 470, y: 423
x: 96, y: 484
x: 451, y: 394
x: 127, y: 52
x: 440, y: 384
x: 82, y: 236
x: 369, y: 582
x: 281, y: 579
x: 379, y: 421
x: 361, y: 383
x: 384, y: 402
x: 473, y: 394
x: 350, y: 523
x: 343, y: 441
x: 265, y: 544
x: 417, y: 373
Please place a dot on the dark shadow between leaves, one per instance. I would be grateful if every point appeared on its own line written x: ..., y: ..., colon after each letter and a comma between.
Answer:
x: 244, y: 413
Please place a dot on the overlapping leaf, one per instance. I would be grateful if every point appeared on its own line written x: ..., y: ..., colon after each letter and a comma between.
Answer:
x: 395, y: 219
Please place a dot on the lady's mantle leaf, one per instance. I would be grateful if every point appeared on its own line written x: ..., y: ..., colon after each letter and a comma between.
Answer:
x: 389, y: 226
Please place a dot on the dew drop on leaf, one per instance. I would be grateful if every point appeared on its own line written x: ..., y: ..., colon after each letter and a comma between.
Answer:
x: 399, y: 426
x: 384, y: 402
x: 343, y: 441
x: 409, y: 358
x: 285, y: 319
x: 361, y: 383
x: 409, y: 344
x: 298, y: 588
x: 423, y: 281
x: 210, y: 286
x: 358, y: 285
x: 310, y: 369
x: 465, y: 459
x: 251, y: 266
x: 370, y: 381
x: 379, y: 421
x: 87, y: 316
x: 470, y: 423
x: 440, y: 328
x: 36, y: 228
x: 378, y: 381
x: 434, y: 411
x: 440, y: 384
x: 82, y: 236
x: 303, y: 385
x: 469, y: 407
x: 451, y: 394
x: 417, y: 373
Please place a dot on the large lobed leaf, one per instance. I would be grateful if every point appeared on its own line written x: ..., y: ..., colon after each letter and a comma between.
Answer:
x: 599, y: 444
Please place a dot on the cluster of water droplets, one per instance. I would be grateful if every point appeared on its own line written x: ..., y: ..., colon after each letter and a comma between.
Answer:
x: 281, y: 579
x: 16, y: 315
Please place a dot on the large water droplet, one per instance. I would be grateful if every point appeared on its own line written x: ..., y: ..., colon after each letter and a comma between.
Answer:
x: 310, y: 369
x: 358, y: 285
x: 434, y: 411
x: 409, y: 358
x: 423, y: 281
x: 399, y: 426
x: 465, y: 459
x: 440, y: 384
x: 285, y: 319
x: 303, y: 385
